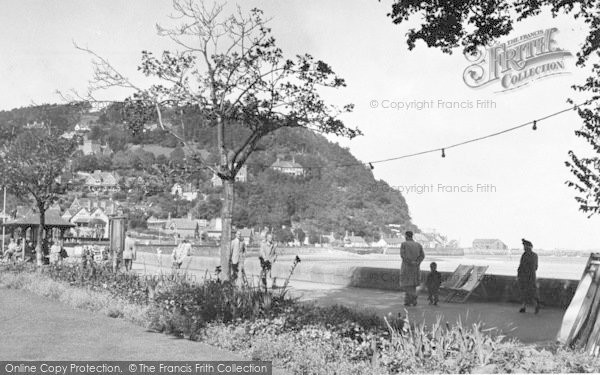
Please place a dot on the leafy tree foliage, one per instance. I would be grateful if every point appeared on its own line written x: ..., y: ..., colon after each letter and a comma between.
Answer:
x: 30, y: 166
x: 228, y: 66
x: 90, y: 163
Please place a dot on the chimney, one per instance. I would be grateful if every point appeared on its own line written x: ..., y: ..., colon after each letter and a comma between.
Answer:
x: 169, y: 217
x: 189, y: 215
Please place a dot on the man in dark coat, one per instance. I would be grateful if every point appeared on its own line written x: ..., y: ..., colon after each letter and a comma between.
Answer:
x: 526, y: 277
x: 412, y: 255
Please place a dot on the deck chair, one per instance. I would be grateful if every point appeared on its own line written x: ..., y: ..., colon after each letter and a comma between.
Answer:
x: 474, y: 279
x: 458, y: 277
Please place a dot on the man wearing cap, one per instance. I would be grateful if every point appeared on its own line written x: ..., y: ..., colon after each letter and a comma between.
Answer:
x: 526, y: 277
x: 412, y: 255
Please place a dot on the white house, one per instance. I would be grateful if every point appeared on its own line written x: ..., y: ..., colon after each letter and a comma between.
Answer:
x: 184, y: 191
x: 102, y: 182
x: 392, y: 242
x: 355, y: 241
x: 492, y: 244
x: 288, y: 167
x: 80, y: 128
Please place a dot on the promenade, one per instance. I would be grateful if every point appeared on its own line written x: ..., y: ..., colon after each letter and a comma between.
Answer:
x: 502, y: 318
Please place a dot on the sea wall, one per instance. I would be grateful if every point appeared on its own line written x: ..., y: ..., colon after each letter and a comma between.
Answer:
x: 553, y: 292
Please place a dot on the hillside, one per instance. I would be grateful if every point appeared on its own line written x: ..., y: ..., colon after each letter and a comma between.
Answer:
x: 329, y: 198
x: 324, y: 198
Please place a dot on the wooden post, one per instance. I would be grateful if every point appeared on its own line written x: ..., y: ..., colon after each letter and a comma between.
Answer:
x: 116, y: 232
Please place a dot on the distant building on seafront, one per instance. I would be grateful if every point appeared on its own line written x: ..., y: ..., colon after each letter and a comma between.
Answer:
x: 489, y: 244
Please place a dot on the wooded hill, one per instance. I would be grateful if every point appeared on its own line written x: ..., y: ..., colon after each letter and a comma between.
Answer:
x: 327, y: 197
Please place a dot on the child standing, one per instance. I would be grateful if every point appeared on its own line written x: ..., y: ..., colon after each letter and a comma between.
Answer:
x: 434, y: 280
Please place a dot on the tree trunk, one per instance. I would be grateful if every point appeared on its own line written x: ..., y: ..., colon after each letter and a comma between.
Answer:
x: 226, y: 214
x: 39, y: 255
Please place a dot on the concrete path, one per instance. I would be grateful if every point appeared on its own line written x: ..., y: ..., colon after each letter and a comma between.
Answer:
x: 38, y: 328
x: 502, y: 318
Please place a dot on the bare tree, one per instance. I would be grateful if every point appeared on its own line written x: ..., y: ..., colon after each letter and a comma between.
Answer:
x: 228, y: 67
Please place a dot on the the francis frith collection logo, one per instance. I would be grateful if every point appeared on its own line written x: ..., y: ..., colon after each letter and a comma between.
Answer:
x: 516, y: 62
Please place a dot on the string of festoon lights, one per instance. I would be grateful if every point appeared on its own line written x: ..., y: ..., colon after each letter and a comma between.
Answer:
x: 533, y: 123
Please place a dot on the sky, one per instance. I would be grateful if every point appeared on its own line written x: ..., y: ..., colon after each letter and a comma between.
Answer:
x: 521, y: 175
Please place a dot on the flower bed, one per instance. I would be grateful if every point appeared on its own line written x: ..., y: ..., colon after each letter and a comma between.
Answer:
x: 303, y: 338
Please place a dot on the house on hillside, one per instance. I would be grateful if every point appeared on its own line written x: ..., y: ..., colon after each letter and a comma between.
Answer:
x: 431, y: 239
x: 68, y: 214
x: 102, y: 182
x: 35, y: 125
x: 389, y: 243
x: 84, y: 124
x: 184, y: 191
x: 90, y: 147
x: 92, y: 224
x: 155, y: 223
x: 355, y: 241
x: 489, y: 244
x: 82, y: 128
x: 68, y: 135
x: 109, y: 206
x: 290, y: 168
x: 185, y: 227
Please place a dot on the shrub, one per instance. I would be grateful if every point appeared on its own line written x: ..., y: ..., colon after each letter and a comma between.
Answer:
x: 303, y: 338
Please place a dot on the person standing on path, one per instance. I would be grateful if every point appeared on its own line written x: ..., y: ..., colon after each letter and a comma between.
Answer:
x: 238, y: 255
x: 266, y: 256
x: 434, y: 280
x: 412, y: 255
x: 526, y: 277
x: 129, y: 252
x: 181, y: 252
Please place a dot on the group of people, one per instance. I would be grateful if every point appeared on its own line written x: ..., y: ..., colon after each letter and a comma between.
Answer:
x: 57, y: 252
x: 237, y: 255
x: 412, y: 255
x: 266, y: 256
x: 23, y: 249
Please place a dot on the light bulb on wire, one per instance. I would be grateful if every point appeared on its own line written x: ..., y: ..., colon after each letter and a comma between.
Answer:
x: 534, y: 125
x: 443, y: 153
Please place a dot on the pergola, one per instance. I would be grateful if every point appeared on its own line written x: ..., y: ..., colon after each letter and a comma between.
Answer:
x: 53, y: 224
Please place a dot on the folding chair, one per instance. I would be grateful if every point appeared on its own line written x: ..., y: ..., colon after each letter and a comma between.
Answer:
x: 474, y: 279
x: 458, y: 277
